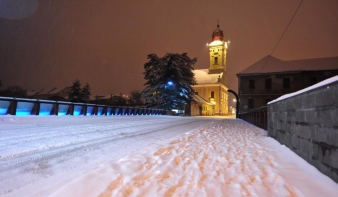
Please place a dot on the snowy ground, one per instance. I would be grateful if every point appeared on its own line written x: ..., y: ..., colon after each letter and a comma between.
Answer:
x: 149, y: 156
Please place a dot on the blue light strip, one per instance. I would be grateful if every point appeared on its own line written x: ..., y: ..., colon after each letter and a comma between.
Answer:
x: 89, y: 110
x: 77, y: 110
x: 24, y: 108
x: 99, y: 111
x: 4, y: 107
x: 63, y: 110
x: 45, y: 109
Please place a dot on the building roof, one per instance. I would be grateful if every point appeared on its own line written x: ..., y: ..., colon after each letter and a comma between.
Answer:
x: 202, y: 76
x: 217, y: 34
x: 270, y: 64
x: 200, y: 99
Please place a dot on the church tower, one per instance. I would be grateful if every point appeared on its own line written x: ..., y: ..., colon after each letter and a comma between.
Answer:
x: 211, y: 92
x: 217, y: 52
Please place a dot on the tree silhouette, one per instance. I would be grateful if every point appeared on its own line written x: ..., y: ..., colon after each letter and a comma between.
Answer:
x: 76, y: 94
x: 136, y: 98
x: 85, y: 93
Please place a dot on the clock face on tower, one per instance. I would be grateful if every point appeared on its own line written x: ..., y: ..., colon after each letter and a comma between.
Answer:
x: 217, y: 33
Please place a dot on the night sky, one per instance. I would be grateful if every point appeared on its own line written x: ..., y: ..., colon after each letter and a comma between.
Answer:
x: 50, y: 43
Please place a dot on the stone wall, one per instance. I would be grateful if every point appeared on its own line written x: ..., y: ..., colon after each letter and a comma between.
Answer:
x: 308, y: 124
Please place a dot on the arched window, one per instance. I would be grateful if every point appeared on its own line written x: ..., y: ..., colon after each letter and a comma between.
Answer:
x: 212, y: 94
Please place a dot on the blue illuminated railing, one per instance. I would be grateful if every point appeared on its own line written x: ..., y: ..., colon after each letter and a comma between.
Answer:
x: 24, y: 107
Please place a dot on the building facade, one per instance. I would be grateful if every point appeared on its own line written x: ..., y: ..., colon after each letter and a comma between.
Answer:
x: 270, y: 78
x: 211, y: 82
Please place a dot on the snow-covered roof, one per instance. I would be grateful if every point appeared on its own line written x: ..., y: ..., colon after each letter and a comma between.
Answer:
x: 200, y: 99
x: 317, y: 85
x: 202, y: 76
x: 216, y: 43
x: 270, y: 64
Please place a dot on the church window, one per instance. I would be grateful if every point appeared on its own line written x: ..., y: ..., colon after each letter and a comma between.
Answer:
x: 215, y: 60
x: 212, y: 94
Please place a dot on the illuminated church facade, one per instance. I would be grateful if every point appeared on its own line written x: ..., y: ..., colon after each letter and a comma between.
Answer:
x: 211, y: 94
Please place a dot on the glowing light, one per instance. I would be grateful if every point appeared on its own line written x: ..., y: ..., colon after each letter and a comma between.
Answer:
x: 3, y: 111
x: 24, y: 108
x: 4, y: 107
x: 99, y: 111
x: 44, y: 113
x: 170, y: 83
x: 116, y: 111
x: 23, y: 113
x: 63, y: 110
x: 234, y: 100
x: 45, y: 109
x: 77, y: 110
x: 89, y: 110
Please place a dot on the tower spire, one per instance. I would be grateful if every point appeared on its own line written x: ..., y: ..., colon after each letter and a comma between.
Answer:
x: 217, y: 23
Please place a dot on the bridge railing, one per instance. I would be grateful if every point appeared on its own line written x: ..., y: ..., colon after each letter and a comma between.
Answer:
x: 256, y: 117
x: 24, y: 107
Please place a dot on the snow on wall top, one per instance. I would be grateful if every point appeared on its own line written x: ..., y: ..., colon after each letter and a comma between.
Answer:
x: 202, y: 76
x: 317, y: 85
x: 270, y: 64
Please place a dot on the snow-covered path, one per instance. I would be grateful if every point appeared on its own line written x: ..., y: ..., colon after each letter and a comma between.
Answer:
x: 201, y: 157
x: 33, y: 149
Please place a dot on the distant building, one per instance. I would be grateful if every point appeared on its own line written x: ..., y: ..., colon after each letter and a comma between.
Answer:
x: 116, y: 100
x: 211, y: 83
x: 270, y: 78
x: 50, y: 94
